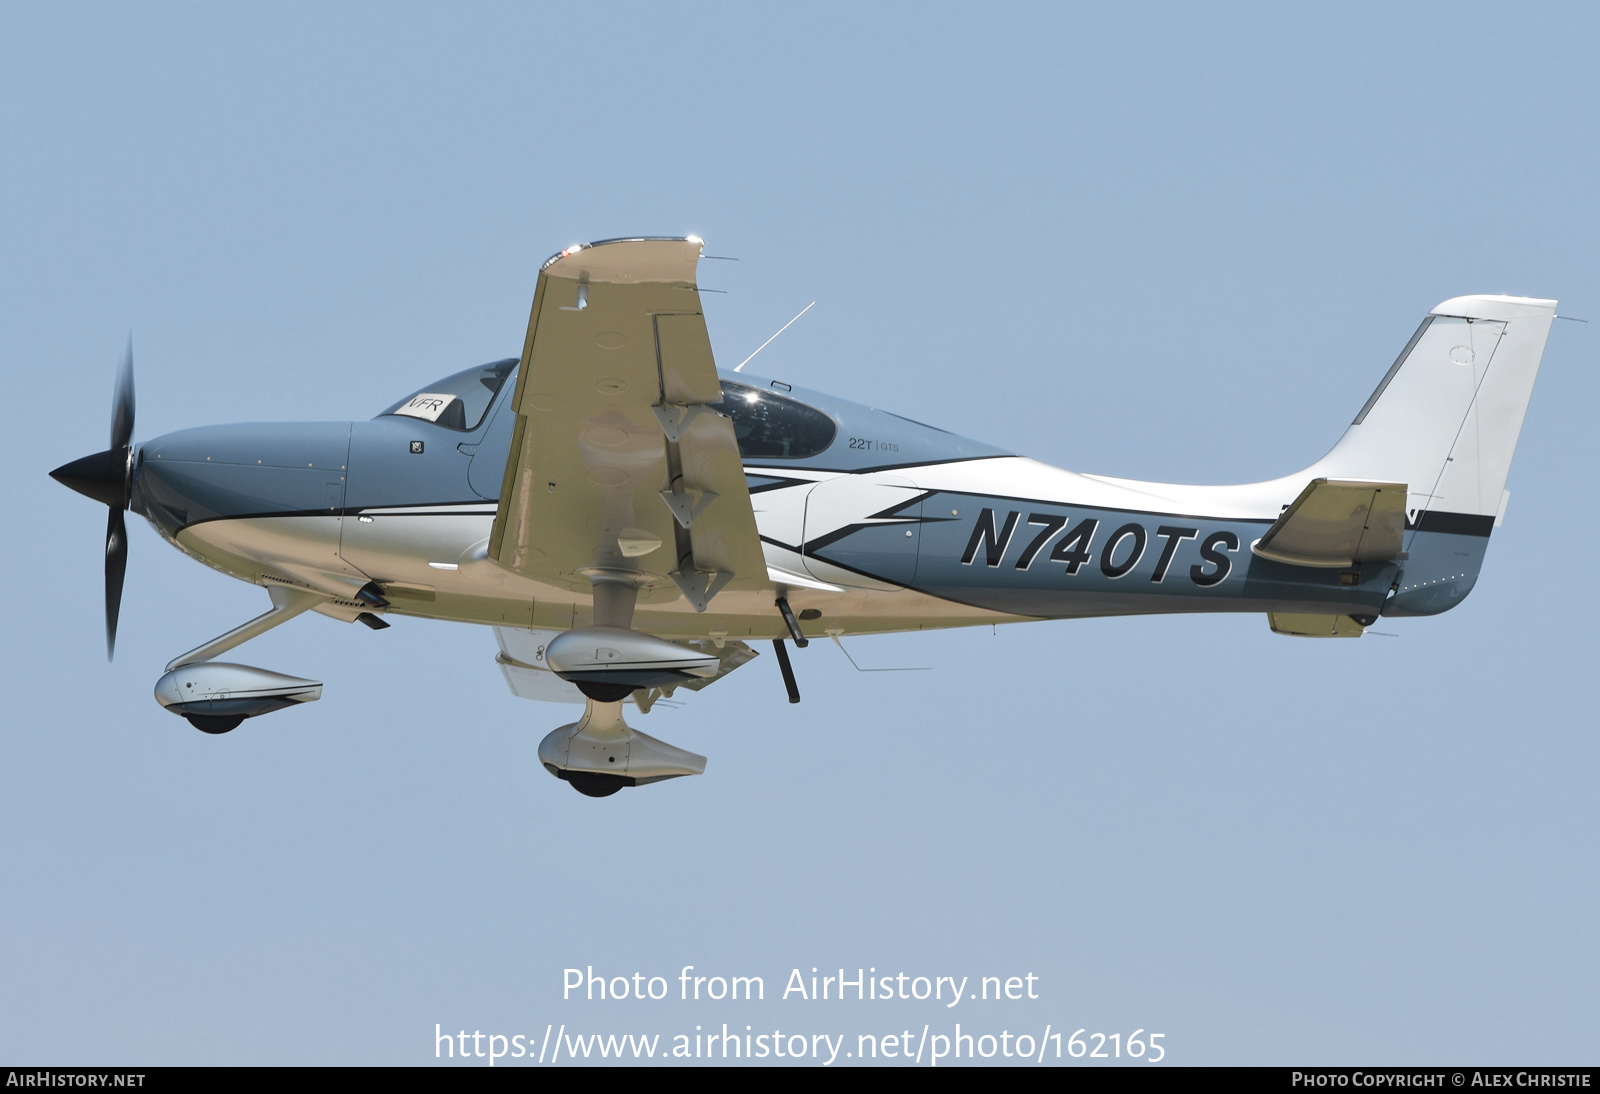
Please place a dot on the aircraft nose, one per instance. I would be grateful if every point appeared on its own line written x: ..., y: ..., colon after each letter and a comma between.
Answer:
x: 254, y: 469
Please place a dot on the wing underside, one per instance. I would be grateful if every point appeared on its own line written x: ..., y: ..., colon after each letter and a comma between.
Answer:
x: 618, y: 464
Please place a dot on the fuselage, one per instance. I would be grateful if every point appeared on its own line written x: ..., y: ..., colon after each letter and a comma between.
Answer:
x: 869, y: 522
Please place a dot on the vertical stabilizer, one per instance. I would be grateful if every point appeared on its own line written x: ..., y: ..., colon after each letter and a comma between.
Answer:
x: 1445, y: 422
x: 1446, y: 418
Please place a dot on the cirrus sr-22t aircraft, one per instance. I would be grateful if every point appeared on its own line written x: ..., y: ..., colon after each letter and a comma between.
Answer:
x: 629, y: 520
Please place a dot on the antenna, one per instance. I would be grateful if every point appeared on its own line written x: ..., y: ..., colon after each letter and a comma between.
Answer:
x: 918, y: 668
x: 768, y: 342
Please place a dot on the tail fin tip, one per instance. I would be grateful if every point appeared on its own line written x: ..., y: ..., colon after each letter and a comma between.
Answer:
x: 1493, y: 307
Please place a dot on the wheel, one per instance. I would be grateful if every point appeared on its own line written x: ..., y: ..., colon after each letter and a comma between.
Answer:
x: 592, y: 784
x: 215, y: 723
x: 605, y: 693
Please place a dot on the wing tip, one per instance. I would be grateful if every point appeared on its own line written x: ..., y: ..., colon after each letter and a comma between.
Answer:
x: 637, y: 258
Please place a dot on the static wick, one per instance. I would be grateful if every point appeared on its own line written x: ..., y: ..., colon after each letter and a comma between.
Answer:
x: 768, y: 342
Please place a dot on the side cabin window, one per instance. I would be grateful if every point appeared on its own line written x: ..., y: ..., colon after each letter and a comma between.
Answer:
x: 773, y: 426
x: 457, y: 402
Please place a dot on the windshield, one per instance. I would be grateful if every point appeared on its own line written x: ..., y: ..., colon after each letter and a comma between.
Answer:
x: 769, y: 425
x: 457, y: 402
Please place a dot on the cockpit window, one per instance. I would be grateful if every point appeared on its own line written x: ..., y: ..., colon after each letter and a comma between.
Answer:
x: 457, y: 402
x: 772, y: 426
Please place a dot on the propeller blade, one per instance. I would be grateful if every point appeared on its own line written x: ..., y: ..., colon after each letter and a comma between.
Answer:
x: 105, y: 477
x: 116, y: 567
x: 122, y: 402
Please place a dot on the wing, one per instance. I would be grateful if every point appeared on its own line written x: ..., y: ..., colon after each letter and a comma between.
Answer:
x: 1334, y: 523
x: 616, y: 462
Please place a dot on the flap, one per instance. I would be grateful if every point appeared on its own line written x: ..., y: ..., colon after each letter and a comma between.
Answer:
x: 616, y: 462
x: 1335, y: 523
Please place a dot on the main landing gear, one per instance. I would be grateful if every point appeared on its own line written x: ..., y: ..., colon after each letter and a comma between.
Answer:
x: 600, y: 753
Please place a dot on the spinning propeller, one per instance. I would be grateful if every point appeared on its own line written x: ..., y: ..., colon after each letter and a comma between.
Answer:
x: 107, y: 477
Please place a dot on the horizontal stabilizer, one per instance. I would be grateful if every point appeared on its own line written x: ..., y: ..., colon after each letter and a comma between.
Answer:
x: 1336, y: 523
x: 1314, y: 626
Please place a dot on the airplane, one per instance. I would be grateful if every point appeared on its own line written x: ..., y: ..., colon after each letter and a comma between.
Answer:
x: 629, y: 519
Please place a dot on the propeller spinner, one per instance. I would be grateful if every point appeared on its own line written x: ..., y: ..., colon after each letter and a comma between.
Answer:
x: 107, y: 477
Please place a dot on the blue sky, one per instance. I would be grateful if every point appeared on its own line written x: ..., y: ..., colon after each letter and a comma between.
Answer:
x: 1167, y: 242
